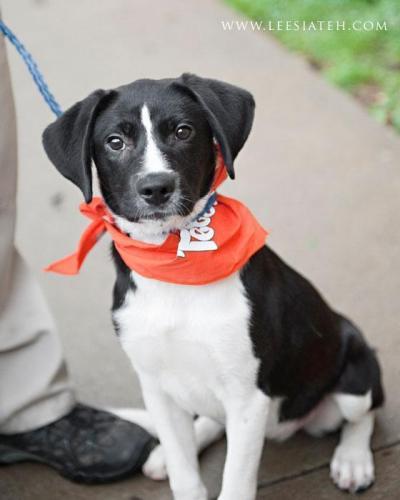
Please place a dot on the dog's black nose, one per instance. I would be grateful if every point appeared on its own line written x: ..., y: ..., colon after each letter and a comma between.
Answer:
x: 156, y: 188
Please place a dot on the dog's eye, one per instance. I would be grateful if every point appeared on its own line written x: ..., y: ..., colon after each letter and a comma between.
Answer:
x: 183, y: 132
x: 115, y: 143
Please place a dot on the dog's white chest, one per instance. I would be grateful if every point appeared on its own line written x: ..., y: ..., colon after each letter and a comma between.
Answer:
x: 193, y: 339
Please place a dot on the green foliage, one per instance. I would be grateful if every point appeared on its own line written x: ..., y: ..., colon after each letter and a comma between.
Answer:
x: 366, y: 63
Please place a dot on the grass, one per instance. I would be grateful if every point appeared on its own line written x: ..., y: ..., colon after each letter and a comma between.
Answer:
x: 365, y: 63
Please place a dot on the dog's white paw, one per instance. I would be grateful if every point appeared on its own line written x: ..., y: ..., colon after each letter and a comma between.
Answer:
x: 352, y: 469
x: 155, y: 466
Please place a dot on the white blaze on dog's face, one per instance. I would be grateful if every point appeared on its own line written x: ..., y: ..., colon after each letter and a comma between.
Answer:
x: 154, y: 161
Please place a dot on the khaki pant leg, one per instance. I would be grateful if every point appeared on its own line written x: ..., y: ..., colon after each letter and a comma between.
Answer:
x: 34, y: 387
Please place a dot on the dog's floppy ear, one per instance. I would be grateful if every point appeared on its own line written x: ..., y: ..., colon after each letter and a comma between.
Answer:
x: 68, y: 144
x: 229, y: 109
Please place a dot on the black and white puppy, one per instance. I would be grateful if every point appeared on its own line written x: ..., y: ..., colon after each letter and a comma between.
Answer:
x: 258, y: 354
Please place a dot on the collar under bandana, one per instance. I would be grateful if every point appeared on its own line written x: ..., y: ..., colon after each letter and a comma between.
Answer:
x: 216, y: 244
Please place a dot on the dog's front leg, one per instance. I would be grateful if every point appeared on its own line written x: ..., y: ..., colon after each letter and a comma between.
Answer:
x: 245, y: 430
x: 175, y: 430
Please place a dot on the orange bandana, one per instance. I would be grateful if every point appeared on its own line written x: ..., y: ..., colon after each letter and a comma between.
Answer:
x: 215, y: 245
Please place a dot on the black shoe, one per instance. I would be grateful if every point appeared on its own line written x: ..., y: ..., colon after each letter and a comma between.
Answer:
x: 87, y: 445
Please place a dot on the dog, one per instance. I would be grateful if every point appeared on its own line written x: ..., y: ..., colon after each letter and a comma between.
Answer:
x: 258, y: 354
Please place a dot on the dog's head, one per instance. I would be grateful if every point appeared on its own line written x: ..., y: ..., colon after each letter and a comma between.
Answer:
x: 152, y: 142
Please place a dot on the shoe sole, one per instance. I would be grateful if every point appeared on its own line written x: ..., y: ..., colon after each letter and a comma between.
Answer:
x: 10, y: 456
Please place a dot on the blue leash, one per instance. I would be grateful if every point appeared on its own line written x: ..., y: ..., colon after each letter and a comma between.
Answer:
x: 33, y: 69
x: 210, y: 202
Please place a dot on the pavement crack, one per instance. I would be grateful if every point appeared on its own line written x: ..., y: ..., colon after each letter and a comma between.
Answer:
x: 289, y: 477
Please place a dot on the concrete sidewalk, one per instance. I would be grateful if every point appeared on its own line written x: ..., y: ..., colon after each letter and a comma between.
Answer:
x: 317, y: 171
